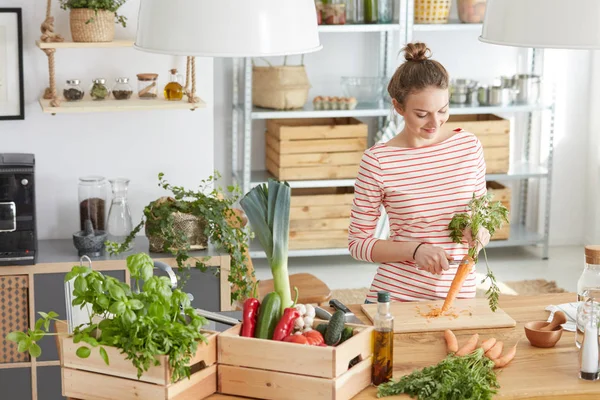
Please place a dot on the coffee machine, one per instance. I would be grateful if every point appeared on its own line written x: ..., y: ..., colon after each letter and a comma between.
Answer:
x: 18, y: 222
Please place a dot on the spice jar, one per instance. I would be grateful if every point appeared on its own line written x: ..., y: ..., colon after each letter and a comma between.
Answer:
x: 334, y: 14
x: 147, y: 86
x: 72, y: 91
x: 99, y: 90
x: 122, y: 90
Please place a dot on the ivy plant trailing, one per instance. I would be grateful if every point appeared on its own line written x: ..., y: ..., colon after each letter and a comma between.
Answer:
x: 215, y: 207
x: 108, y: 5
x: 143, y: 323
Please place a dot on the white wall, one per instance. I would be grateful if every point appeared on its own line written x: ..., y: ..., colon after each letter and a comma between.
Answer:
x: 137, y: 144
x: 465, y: 57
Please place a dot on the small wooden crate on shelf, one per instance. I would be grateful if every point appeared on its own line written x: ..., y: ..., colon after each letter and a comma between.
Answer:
x: 315, y: 148
x: 502, y: 194
x: 319, y: 217
x: 92, y: 379
x: 274, y: 370
x: 494, y: 134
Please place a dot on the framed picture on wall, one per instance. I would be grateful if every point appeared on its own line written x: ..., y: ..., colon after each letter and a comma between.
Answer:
x: 12, y: 103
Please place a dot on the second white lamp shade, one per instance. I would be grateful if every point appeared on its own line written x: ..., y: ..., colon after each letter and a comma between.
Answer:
x: 560, y: 24
x: 227, y: 28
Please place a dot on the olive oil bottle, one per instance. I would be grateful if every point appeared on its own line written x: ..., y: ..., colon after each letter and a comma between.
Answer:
x: 383, y: 343
x: 174, y: 89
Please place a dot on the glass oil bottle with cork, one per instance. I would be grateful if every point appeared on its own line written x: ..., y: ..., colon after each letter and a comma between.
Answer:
x: 383, y: 344
x: 174, y: 89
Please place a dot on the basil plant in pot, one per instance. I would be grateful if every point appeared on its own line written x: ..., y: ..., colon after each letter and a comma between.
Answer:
x: 188, y: 220
x: 93, y: 20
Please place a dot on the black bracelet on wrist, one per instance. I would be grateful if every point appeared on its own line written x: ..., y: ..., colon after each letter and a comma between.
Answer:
x: 415, y: 252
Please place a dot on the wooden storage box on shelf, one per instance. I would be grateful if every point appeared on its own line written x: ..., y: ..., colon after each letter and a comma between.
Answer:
x: 267, y: 369
x: 501, y: 194
x: 315, y: 148
x: 319, y: 217
x: 494, y: 134
x: 92, y: 379
x: 14, y: 309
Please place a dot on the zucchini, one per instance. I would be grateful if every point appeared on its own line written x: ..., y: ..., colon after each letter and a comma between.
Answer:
x: 346, y: 334
x: 335, y: 327
x: 268, y: 316
x: 321, y: 328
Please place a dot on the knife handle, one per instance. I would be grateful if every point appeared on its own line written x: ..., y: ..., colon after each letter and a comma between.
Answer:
x: 339, y: 306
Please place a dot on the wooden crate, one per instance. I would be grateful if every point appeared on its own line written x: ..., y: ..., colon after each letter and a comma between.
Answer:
x: 92, y: 379
x: 319, y: 217
x: 317, y: 148
x: 494, y: 134
x: 267, y: 369
x: 503, y: 195
x: 14, y: 315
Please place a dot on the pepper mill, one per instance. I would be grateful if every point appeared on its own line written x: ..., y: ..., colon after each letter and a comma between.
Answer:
x: 589, y: 353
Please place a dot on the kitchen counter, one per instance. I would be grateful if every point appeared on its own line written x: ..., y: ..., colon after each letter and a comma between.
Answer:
x: 534, y: 373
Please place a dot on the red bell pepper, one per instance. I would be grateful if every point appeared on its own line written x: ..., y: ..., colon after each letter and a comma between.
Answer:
x: 286, y: 324
x: 250, y: 314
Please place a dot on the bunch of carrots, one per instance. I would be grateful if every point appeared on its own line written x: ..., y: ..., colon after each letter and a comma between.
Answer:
x: 491, y: 347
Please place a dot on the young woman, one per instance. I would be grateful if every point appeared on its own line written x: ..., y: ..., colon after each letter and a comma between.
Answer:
x: 423, y: 176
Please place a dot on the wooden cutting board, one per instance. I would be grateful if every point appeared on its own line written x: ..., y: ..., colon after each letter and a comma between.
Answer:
x: 472, y: 314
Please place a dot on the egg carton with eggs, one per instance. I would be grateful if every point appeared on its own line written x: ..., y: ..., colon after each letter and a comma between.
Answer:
x: 334, y: 103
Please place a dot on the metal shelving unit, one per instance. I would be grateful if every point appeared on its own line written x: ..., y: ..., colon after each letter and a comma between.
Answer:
x: 522, y: 172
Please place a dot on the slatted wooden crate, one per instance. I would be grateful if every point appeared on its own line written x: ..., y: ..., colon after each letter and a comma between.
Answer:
x: 315, y: 148
x: 92, y: 379
x: 275, y: 370
x: 502, y: 194
x: 494, y: 134
x: 319, y: 217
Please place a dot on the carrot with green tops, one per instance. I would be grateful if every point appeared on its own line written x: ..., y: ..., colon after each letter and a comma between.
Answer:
x: 506, y: 358
x: 488, y: 344
x: 469, y: 346
x: 451, y: 342
x: 482, y: 213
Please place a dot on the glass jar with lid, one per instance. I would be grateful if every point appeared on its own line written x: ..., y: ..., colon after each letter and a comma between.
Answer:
x: 92, y: 201
x: 147, y: 86
x: 588, y: 285
x: 73, y: 90
x: 99, y: 90
x: 122, y: 90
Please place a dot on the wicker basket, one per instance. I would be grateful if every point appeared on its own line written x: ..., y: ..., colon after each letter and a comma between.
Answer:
x: 188, y: 224
x: 101, y: 26
x: 432, y: 11
x: 282, y: 87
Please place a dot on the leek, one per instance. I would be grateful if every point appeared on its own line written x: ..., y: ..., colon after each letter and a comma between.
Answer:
x: 267, y: 207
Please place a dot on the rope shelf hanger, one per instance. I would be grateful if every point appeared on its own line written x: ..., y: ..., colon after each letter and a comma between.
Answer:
x: 49, y: 36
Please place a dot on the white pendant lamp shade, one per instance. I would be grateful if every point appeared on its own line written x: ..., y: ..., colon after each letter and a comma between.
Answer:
x: 559, y: 24
x: 227, y: 28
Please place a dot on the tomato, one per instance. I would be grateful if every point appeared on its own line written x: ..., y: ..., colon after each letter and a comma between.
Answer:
x: 314, y: 337
x: 296, y: 339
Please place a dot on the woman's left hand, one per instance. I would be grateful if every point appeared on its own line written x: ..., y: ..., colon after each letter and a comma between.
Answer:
x: 483, y: 238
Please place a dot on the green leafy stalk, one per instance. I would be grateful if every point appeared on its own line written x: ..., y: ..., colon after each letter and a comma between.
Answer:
x: 267, y: 207
x: 482, y: 212
x: 454, y: 378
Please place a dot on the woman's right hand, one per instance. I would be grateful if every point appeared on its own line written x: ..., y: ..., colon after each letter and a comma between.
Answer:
x: 432, y: 259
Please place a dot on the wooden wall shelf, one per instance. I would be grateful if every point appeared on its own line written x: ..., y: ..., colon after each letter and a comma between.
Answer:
x: 84, y: 45
x: 88, y: 105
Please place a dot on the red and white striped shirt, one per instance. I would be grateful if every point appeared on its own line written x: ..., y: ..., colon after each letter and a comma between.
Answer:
x: 421, y: 189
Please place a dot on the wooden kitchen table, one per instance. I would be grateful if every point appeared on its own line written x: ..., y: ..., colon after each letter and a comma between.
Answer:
x: 534, y: 373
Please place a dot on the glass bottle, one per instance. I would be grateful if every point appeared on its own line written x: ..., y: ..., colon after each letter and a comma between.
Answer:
x: 99, y: 90
x: 586, y: 311
x: 371, y: 13
x: 350, y: 11
x: 122, y: 90
x: 383, y: 345
x: 588, y: 284
x: 174, y: 89
x: 73, y: 91
x: 385, y: 9
x: 119, y: 217
x: 92, y: 201
x: 359, y: 11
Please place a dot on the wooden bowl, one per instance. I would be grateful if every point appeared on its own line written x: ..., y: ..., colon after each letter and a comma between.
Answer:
x: 539, y: 338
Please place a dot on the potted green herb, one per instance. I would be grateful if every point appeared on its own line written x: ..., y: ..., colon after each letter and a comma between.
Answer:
x: 93, y: 20
x: 188, y: 220
x: 143, y: 322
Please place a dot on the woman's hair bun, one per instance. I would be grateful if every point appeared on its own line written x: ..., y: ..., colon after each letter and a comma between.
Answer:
x: 416, y: 52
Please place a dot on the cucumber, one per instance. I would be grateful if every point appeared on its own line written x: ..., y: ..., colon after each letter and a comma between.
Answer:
x: 346, y: 334
x: 321, y: 328
x: 335, y: 328
x: 268, y: 316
